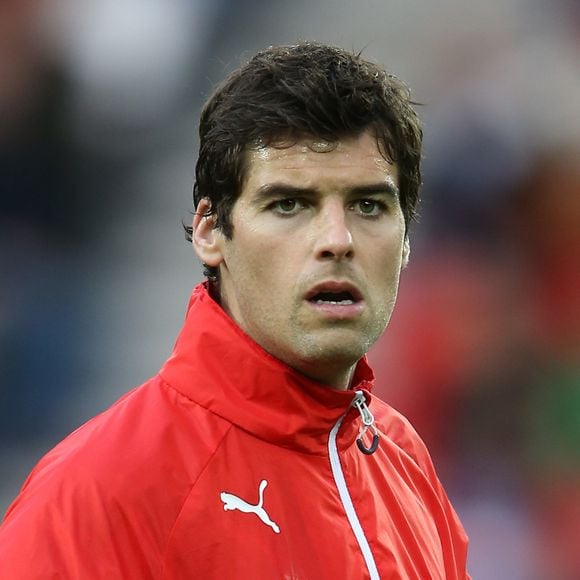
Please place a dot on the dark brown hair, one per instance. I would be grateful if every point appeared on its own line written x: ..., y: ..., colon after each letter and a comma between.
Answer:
x: 305, y: 90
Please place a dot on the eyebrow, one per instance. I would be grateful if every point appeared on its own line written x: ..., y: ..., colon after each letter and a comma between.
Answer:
x: 384, y: 187
x: 275, y: 189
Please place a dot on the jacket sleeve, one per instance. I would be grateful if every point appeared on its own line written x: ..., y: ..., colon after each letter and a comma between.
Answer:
x: 455, y: 541
x: 65, y: 525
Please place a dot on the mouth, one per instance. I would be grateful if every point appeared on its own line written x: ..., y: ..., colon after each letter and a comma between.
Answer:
x: 333, y: 298
x: 336, y: 297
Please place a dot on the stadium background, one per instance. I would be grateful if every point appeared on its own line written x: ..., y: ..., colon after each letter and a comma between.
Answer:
x: 98, y: 109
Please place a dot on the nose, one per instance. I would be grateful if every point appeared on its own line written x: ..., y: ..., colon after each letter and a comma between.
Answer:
x: 332, y: 234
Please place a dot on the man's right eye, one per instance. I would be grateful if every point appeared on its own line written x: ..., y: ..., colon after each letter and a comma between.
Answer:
x: 287, y: 206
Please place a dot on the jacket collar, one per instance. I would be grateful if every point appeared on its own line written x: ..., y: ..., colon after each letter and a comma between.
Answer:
x: 218, y: 366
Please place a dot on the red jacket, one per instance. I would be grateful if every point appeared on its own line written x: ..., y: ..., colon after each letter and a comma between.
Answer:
x: 228, y: 464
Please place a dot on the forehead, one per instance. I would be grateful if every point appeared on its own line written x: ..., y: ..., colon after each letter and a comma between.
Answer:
x: 307, y: 160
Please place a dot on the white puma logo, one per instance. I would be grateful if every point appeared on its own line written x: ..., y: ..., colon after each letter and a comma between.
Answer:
x: 232, y: 502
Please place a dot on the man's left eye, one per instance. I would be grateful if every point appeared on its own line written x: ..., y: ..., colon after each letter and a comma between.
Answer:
x: 370, y: 207
x: 287, y: 205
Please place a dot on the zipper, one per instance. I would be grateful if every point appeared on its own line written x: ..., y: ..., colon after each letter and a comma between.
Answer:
x: 368, y: 423
x: 339, y: 480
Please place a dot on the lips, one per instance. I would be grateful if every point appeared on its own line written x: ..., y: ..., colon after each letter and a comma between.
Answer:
x: 333, y: 292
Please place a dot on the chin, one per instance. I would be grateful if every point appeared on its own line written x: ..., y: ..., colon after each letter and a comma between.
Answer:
x: 336, y: 355
x: 349, y: 344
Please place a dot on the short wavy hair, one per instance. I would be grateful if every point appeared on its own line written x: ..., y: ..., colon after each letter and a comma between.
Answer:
x: 304, y: 90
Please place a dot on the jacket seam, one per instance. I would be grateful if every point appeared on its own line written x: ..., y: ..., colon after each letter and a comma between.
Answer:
x: 193, y: 484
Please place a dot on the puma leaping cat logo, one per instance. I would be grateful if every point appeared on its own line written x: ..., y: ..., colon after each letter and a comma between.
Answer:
x: 232, y: 502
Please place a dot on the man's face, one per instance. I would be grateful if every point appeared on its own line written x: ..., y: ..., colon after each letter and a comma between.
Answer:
x: 312, y: 270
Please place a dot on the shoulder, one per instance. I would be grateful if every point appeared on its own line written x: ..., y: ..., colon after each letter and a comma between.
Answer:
x: 404, y: 440
x: 120, y: 480
x: 152, y: 440
x: 399, y: 430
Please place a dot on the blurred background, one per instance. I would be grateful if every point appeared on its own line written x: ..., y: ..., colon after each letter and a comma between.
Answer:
x: 98, y: 118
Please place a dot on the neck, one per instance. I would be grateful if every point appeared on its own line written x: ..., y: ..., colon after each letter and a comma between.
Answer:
x: 339, y: 381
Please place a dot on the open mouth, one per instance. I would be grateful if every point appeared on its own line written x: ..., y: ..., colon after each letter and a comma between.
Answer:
x: 343, y: 298
x: 334, y: 293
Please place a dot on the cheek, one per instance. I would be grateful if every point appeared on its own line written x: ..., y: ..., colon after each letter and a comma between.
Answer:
x: 387, y: 267
x: 388, y: 255
x: 266, y: 256
x: 253, y: 266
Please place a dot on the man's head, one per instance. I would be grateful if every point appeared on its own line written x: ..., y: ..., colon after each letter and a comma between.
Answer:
x: 307, y: 179
x: 287, y: 92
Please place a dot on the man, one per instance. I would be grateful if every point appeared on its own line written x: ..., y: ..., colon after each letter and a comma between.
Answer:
x: 258, y: 451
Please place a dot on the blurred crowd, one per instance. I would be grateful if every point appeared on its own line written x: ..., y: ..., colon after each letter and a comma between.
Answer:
x: 98, y: 106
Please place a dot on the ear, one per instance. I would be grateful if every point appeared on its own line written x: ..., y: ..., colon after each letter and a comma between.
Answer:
x: 207, y: 240
x: 406, y: 252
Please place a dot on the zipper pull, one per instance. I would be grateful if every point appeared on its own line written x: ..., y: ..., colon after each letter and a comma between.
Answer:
x: 368, y: 423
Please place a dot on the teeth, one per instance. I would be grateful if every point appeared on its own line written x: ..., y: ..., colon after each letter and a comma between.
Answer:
x: 333, y: 302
